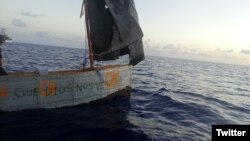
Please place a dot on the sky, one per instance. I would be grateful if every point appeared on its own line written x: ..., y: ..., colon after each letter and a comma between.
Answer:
x: 205, y: 30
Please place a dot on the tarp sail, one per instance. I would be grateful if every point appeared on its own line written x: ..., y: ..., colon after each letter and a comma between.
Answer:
x: 114, y: 30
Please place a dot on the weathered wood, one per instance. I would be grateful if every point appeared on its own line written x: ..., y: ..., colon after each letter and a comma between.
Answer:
x: 59, y: 89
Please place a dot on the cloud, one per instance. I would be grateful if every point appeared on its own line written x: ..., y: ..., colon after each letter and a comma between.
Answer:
x: 42, y: 34
x: 18, y: 23
x: 58, y: 36
x: 31, y: 14
x: 225, y: 51
x: 59, y: 39
x: 181, y: 49
x: 245, y: 51
x: 147, y: 43
x: 169, y: 46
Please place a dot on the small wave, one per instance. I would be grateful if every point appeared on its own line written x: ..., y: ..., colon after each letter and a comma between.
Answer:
x: 215, y: 101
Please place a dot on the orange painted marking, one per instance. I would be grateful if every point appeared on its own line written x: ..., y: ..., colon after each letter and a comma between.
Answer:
x: 111, y: 79
x: 46, y: 85
x: 3, y: 90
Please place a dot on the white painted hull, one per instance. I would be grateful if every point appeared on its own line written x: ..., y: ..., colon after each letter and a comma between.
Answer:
x: 59, y: 89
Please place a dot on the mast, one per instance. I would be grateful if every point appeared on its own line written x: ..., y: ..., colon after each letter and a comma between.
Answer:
x: 91, y: 56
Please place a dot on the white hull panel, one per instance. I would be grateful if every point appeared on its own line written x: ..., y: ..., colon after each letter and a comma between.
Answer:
x: 59, y: 89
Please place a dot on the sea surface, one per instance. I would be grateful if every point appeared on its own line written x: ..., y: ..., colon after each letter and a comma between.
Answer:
x: 171, y: 100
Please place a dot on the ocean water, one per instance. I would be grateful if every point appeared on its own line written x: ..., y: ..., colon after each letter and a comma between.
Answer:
x: 171, y: 100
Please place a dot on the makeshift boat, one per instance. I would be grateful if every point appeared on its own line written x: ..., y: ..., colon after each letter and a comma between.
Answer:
x: 112, y: 30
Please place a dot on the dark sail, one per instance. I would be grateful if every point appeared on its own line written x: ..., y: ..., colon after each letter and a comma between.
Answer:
x: 114, y: 30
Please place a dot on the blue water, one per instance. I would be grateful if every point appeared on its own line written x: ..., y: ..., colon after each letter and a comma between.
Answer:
x: 171, y: 99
